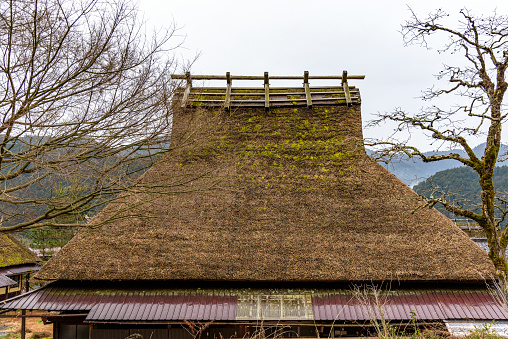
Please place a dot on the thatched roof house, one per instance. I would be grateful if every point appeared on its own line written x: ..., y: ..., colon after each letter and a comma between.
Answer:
x: 16, y: 262
x: 256, y: 207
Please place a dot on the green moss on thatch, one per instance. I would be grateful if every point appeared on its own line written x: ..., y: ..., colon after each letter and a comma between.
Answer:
x: 13, y: 253
x: 284, y: 195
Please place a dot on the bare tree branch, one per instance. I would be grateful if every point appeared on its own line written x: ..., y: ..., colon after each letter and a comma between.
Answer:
x: 483, y: 40
x: 85, y: 107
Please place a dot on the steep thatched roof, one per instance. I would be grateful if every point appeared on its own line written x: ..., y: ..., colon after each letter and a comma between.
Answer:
x: 284, y: 195
x: 13, y: 253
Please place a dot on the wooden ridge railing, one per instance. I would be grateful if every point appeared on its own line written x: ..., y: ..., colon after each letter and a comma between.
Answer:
x: 467, y: 224
x: 267, y: 96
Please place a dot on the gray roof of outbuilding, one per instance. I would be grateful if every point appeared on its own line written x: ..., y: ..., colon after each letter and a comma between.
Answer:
x: 6, y: 281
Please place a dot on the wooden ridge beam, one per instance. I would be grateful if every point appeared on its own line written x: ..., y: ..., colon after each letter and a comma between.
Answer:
x: 351, y: 88
x: 273, y: 101
x: 353, y: 98
x: 262, y: 94
x: 269, y: 96
x: 341, y: 91
x: 261, y: 77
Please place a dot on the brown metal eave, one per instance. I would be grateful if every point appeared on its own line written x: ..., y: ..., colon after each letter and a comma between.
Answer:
x: 167, y: 305
x: 270, y: 323
x: 427, y: 305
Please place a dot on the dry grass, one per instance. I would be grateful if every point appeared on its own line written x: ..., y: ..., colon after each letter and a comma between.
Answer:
x: 35, y: 328
x: 372, y: 301
x: 285, y: 195
x: 373, y: 304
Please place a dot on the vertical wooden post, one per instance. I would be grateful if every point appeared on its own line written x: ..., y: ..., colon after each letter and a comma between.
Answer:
x: 345, y: 86
x: 90, y: 330
x: 242, y: 330
x: 259, y: 314
x: 307, y: 89
x: 187, y: 89
x: 56, y: 334
x: 227, y: 99
x: 27, y: 282
x: 267, y: 92
x: 23, y: 324
x: 281, y: 307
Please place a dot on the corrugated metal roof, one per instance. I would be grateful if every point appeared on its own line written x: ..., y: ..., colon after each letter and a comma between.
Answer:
x: 165, y: 307
x: 398, y: 305
x: 6, y: 281
x: 19, y: 269
x: 129, y: 304
x: 54, y: 298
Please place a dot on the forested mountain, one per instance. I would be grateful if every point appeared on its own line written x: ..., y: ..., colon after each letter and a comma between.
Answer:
x: 413, y: 171
x: 52, y: 189
x: 461, y: 186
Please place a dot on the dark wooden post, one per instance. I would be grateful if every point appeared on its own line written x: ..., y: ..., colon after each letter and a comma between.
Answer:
x: 27, y: 282
x: 56, y: 335
x: 267, y: 92
x: 227, y: 99
x: 187, y: 89
x: 23, y: 324
x: 307, y: 89
x: 345, y: 86
x: 242, y: 331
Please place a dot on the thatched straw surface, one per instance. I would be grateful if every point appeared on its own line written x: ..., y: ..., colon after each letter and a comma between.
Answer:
x: 285, y: 195
x: 13, y: 253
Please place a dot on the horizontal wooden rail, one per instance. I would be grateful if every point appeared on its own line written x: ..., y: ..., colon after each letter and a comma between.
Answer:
x: 274, y: 88
x: 261, y: 77
x: 467, y: 224
x: 262, y: 94
x: 270, y: 95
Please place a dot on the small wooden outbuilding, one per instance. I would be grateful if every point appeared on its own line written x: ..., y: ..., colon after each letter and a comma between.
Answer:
x: 16, y: 264
x: 265, y: 216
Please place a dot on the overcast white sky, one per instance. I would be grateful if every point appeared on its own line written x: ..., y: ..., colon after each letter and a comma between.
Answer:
x: 324, y: 37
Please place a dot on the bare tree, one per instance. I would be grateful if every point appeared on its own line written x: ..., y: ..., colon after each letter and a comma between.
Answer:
x: 479, y: 87
x: 85, y: 106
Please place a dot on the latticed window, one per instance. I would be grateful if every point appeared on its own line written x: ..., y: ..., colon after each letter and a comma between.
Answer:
x: 274, y: 307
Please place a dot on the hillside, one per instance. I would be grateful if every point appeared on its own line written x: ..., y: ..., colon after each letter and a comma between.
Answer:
x: 461, y: 186
x: 412, y: 171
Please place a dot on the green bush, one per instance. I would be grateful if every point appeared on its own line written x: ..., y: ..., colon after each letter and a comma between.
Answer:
x: 484, y: 332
